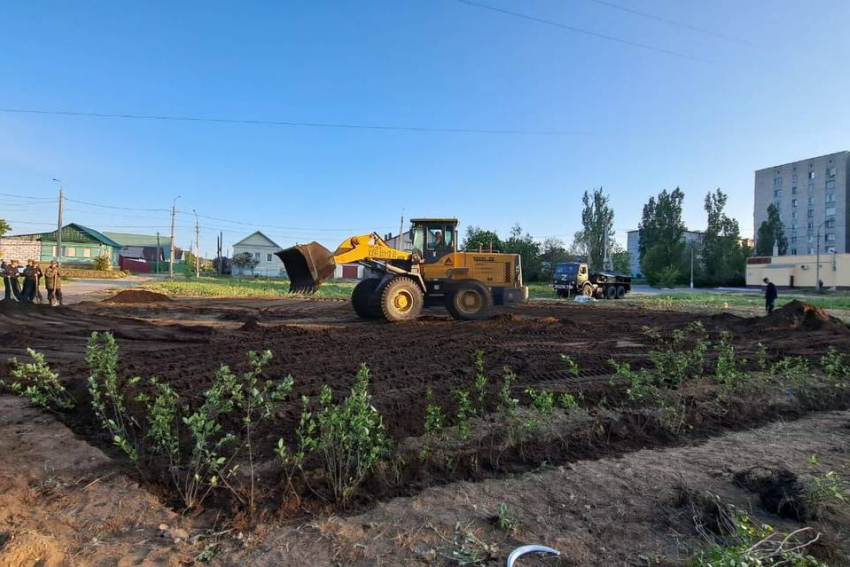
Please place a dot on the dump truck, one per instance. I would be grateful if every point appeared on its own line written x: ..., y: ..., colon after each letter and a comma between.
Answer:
x: 402, y: 283
x: 574, y: 278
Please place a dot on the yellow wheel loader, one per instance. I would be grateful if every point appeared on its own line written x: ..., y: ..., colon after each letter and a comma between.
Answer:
x: 402, y: 283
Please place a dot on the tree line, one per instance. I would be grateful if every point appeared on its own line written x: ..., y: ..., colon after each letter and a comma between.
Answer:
x: 665, y: 254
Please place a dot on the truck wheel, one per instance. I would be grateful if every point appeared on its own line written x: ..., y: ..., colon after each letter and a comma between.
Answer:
x: 470, y: 301
x: 365, y: 299
x: 621, y: 292
x: 611, y: 292
x: 587, y: 290
x: 402, y: 300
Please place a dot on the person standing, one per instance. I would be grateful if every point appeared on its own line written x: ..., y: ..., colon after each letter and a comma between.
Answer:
x: 30, y: 281
x: 38, y: 275
x: 6, y: 274
x: 770, y: 295
x: 14, y: 283
x: 53, y: 283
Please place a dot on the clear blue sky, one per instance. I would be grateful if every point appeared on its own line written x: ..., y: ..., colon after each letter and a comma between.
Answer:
x: 641, y: 120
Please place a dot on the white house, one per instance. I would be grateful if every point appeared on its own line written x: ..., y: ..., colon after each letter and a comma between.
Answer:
x: 262, y: 249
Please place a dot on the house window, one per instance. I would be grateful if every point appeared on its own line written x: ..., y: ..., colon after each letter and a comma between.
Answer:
x: 793, y: 202
x: 777, y: 193
x: 830, y: 210
x: 257, y: 256
x: 830, y: 184
x: 810, y: 213
x: 268, y: 257
x: 830, y: 197
x: 830, y: 237
x: 53, y: 251
x: 830, y: 172
x: 86, y: 252
x: 70, y: 251
x: 811, y: 175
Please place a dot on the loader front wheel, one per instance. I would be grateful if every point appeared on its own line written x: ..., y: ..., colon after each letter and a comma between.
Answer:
x: 402, y: 300
x: 470, y: 301
x: 365, y: 299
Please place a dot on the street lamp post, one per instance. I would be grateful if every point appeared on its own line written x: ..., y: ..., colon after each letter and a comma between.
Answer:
x: 817, y: 267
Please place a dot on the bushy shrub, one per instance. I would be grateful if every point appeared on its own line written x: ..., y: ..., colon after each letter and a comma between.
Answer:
x: 102, y: 263
x: 38, y: 383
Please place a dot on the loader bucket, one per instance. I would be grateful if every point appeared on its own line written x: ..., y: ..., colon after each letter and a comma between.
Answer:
x: 307, y: 266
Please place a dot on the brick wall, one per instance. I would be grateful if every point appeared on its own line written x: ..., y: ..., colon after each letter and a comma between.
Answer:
x: 20, y: 250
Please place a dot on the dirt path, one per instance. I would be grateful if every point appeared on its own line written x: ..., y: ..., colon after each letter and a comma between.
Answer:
x: 62, y: 503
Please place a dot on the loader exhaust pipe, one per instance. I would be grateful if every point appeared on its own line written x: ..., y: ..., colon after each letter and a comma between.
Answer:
x: 307, y: 265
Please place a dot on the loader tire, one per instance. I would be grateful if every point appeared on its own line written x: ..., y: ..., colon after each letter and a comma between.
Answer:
x: 587, y: 290
x: 365, y: 299
x: 402, y: 300
x: 470, y: 301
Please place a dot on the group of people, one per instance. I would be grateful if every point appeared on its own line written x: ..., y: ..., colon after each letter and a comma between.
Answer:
x: 32, y: 274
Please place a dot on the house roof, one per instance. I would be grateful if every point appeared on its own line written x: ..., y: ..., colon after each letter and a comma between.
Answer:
x: 145, y: 240
x: 255, y: 233
x: 70, y: 233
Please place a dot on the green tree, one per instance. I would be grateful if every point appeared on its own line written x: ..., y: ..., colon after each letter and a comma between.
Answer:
x: 553, y: 252
x: 479, y: 238
x: 621, y: 258
x: 597, y: 220
x: 525, y: 246
x: 662, y: 246
x: 244, y: 261
x: 771, y: 232
x: 4, y: 227
x: 723, y: 257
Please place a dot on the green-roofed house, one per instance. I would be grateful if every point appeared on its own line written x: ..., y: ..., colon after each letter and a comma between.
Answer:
x: 80, y: 245
x: 143, y: 252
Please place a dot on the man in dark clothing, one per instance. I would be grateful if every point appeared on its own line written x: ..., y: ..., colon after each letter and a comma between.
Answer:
x: 53, y: 283
x: 4, y: 272
x: 31, y: 274
x: 770, y: 295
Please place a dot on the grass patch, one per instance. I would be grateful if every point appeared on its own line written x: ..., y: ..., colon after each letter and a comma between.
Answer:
x: 234, y: 287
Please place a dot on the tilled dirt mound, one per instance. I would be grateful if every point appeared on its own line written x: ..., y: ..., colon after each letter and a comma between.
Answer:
x: 137, y: 296
x: 802, y: 316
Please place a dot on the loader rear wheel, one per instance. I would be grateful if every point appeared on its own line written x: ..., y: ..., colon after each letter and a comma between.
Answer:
x: 470, y: 301
x: 365, y: 299
x: 402, y: 300
x: 587, y: 290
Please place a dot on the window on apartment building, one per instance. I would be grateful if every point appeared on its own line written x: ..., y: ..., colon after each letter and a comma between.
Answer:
x: 268, y: 257
x: 794, y: 215
x: 793, y: 251
x: 830, y: 210
x: 777, y: 182
x: 811, y: 175
x: 830, y: 184
x: 810, y: 213
x: 794, y: 226
x: 811, y: 200
x: 794, y: 190
x: 777, y: 193
x: 829, y: 237
x: 811, y: 187
x: 811, y: 250
x: 810, y: 238
x: 793, y: 202
x: 830, y: 172
x: 830, y: 250
x: 793, y: 239
x: 830, y: 223
x: 830, y: 197
x: 811, y: 225
x: 794, y: 178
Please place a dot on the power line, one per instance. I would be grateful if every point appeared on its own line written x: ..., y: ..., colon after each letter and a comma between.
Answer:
x: 116, y: 208
x: 344, y: 126
x: 583, y: 31
x: 670, y: 22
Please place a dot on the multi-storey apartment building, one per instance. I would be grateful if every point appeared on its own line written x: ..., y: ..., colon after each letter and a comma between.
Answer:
x: 811, y: 196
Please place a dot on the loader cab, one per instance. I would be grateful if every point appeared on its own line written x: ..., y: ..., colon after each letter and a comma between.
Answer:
x: 434, y: 238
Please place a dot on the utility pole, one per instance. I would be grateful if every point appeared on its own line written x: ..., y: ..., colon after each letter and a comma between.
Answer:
x: 692, y: 265
x: 158, y: 252
x: 400, y: 229
x: 171, y: 252
x: 817, y: 270
x: 59, y: 225
x: 221, y: 253
x: 197, y: 246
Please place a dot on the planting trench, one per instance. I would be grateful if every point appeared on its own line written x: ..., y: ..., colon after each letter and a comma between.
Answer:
x: 320, y: 342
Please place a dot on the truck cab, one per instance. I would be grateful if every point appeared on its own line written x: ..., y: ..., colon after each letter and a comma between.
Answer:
x: 576, y: 278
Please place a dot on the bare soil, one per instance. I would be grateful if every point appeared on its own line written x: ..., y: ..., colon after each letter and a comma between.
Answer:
x: 322, y: 342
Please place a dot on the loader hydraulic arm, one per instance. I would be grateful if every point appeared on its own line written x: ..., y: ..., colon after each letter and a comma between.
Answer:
x: 308, y: 265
